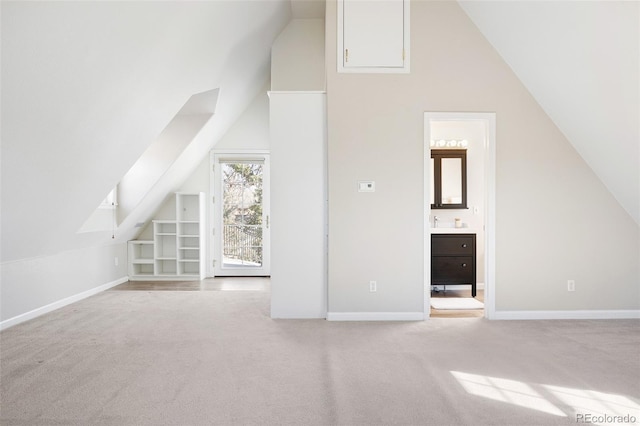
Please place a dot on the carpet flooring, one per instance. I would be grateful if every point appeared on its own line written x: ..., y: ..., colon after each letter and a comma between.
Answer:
x: 217, y: 358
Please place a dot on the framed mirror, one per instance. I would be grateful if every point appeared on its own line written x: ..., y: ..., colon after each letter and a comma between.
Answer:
x: 448, y: 179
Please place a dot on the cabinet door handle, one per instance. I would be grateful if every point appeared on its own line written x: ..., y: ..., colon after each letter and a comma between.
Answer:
x: 464, y: 265
x: 464, y: 246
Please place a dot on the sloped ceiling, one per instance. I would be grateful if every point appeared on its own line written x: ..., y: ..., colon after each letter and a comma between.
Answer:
x: 580, y: 61
x: 88, y: 86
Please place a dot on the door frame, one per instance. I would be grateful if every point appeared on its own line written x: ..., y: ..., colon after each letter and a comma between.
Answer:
x: 489, y: 119
x: 214, y: 233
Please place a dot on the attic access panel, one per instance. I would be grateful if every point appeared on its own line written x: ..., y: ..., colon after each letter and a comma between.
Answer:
x: 373, y: 36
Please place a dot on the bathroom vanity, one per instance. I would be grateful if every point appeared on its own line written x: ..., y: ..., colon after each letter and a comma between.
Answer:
x: 453, y: 259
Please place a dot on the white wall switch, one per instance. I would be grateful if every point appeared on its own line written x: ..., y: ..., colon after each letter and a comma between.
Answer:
x: 366, y: 186
x: 373, y: 286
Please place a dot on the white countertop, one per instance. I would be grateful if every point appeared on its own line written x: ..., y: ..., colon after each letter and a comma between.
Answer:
x: 444, y: 230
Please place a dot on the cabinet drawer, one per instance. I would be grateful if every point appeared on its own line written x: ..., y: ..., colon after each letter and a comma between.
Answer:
x: 452, y: 269
x: 448, y: 244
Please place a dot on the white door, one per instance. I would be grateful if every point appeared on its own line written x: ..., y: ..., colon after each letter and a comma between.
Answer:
x: 241, y: 215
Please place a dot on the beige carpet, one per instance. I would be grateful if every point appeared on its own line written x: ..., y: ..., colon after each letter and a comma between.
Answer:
x: 216, y: 358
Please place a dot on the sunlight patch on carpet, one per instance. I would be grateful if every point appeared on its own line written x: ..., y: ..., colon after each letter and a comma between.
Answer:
x: 505, y: 390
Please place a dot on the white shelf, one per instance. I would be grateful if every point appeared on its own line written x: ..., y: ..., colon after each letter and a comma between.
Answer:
x: 142, y: 269
x: 188, y: 207
x: 177, y: 249
x: 143, y: 261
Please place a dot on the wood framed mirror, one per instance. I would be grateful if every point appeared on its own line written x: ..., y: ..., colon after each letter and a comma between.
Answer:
x: 449, y: 179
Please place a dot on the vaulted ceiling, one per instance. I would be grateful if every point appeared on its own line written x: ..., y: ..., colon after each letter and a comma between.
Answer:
x: 88, y: 86
x: 580, y: 61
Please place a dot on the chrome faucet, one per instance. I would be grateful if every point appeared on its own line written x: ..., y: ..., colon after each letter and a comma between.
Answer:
x: 435, y: 221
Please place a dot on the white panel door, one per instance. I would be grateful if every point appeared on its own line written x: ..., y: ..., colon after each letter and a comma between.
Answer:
x: 373, y: 33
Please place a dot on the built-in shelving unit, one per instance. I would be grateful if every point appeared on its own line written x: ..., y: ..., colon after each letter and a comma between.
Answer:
x: 177, y: 249
x: 141, y: 259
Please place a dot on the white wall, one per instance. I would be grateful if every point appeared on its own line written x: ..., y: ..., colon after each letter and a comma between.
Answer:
x: 298, y: 125
x: 555, y: 220
x: 35, y: 286
x: 297, y: 56
x: 251, y: 130
x: 298, y: 194
x: 199, y: 179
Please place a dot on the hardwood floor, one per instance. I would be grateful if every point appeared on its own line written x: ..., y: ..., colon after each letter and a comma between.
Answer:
x: 208, y: 284
x: 449, y: 313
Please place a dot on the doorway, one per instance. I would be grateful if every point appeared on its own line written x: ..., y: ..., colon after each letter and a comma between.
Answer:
x: 240, y: 214
x: 479, y: 216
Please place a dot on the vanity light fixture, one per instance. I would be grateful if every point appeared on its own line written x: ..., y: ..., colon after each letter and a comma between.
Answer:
x: 451, y: 143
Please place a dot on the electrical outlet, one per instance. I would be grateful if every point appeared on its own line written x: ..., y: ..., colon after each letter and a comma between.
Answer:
x: 571, y: 285
x: 116, y: 261
x: 373, y: 286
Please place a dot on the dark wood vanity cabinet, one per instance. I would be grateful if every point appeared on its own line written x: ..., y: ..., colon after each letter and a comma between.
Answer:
x: 453, y: 260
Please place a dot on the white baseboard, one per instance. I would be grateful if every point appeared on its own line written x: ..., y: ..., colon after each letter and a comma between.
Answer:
x: 557, y: 315
x: 59, y: 304
x: 375, y: 316
x: 163, y: 278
